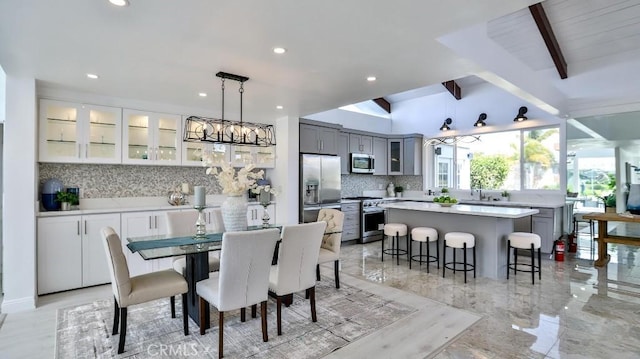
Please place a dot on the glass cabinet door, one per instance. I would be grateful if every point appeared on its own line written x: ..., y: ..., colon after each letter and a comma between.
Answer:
x: 241, y: 156
x: 104, y: 135
x: 138, y: 137
x: 265, y: 156
x: 166, y: 148
x: 59, y: 132
x: 395, y: 157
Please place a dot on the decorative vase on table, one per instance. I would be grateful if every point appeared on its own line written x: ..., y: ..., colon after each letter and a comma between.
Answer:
x: 633, y: 202
x: 234, y: 213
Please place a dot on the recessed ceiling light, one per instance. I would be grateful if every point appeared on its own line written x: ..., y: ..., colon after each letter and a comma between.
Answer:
x: 279, y: 50
x: 371, y: 78
x: 92, y: 76
x: 279, y: 107
x: 119, y: 2
x: 202, y: 94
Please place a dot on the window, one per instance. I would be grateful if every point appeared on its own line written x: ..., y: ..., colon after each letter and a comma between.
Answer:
x: 511, y: 160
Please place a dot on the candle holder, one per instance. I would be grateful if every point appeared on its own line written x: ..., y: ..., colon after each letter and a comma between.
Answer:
x: 201, y: 224
x: 265, y: 215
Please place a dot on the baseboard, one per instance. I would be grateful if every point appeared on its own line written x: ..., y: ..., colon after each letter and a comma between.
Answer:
x: 18, y: 305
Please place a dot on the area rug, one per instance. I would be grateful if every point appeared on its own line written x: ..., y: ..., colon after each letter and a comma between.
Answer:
x: 344, y: 316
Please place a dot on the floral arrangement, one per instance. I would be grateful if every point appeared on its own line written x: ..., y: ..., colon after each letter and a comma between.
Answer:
x: 234, y: 183
x: 264, y: 193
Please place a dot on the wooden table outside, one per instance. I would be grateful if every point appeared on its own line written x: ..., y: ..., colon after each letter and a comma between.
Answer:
x: 628, y: 235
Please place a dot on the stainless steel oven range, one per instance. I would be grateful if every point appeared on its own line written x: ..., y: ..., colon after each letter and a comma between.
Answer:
x: 372, y: 218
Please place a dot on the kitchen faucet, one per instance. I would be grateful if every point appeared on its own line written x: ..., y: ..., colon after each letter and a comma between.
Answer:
x: 479, y: 190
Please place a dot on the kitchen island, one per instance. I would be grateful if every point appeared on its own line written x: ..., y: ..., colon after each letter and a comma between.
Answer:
x: 490, y: 226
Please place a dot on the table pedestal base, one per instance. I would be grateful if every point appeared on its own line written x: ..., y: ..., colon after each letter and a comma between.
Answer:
x: 197, y: 269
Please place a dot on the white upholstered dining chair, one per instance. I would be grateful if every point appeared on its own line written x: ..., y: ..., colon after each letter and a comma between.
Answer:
x: 128, y: 291
x: 330, y: 247
x: 297, y: 260
x: 243, y: 279
x: 183, y: 224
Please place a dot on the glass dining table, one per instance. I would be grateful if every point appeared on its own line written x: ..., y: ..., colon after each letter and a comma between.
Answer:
x: 196, y: 252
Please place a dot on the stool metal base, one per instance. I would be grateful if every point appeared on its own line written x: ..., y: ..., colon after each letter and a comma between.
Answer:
x: 428, y: 256
x: 533, y: 269
x: 452, y: 265
x: 395, y: 249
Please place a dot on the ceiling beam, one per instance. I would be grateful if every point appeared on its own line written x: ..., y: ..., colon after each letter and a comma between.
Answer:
x: 384, y: 104
x: 540, y: 17
x: 453, y: 88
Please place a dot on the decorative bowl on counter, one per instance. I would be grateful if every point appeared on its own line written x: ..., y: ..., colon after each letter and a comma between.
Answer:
x: 447, y: 204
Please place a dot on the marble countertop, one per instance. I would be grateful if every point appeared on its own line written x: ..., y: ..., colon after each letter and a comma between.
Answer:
x: 490, y: 203
x: 130, y: 204
x: 473, y: 210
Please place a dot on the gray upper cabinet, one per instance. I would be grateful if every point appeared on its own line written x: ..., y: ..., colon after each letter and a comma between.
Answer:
x: 412, y: 156
x: 380, y: 154
x: 318, y: 139
x: 343, y: 152
x: 360, y: 144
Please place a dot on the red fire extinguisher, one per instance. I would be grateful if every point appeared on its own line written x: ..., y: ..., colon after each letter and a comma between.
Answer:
x: 558, y: 247
x: 573, y: 245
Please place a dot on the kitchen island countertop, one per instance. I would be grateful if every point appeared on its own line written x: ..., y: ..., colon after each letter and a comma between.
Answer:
x: 474, y: 210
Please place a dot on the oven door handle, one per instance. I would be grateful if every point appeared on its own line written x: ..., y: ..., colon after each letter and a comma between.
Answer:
x: 312, y: 208
x: 336, y: 206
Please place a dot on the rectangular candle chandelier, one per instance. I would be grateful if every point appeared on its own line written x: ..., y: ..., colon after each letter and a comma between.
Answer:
x: 203, y: 129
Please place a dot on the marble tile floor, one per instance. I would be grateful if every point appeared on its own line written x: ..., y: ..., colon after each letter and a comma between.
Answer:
x: 576, y: 311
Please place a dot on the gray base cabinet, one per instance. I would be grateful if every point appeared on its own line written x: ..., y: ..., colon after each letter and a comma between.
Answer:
x: 351, y: 225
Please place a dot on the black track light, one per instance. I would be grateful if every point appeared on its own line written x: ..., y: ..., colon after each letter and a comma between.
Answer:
x: 521, y: 117
x: 481, y: 119
x: 445, y: 125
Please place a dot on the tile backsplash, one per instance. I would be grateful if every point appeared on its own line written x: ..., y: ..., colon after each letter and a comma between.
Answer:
x: 111, y: 181
x: 354, y: 184
x: 114, y: 181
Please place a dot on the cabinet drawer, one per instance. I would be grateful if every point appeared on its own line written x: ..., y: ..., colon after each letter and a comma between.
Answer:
x: 348, y: 207
x: 544, y: 212
x: 351, y: 217
x: 350, y: 233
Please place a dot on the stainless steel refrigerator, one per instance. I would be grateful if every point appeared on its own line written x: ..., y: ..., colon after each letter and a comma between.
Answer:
x: 319, y: 185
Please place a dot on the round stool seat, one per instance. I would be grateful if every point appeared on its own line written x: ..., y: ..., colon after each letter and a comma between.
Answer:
x: 523, y: 240
x: 458, y: 239
x: 424, y: 234
x: 395, y: 229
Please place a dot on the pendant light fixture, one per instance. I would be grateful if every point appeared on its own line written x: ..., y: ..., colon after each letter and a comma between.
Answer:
x: 521, y: 117
x: 480, y: 122
x: 203, y: 129
x: 445, y: 125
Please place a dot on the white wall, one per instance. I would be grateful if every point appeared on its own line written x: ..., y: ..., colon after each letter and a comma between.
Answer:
x: 285, y: 174
x: 20, y: 181
x: 3, y: 80
x: 425, y: 115
x: 354, y: 120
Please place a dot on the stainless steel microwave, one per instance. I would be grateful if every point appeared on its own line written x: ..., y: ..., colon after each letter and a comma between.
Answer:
x: 362, y: 163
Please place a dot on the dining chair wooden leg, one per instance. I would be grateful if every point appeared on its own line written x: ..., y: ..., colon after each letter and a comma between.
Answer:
x: 243, y: 315
x: 172, y: 301
x: 318, y: 272
x: 185, y: 314
x: 202, y: 319
x: 336, y: 273
x: 263, y: 316
x: 123, y: 329
x: 254, y: 309
x: 116, y: 317
x: 220, y: 333
x: 279, y: 314
x: 312, y: 301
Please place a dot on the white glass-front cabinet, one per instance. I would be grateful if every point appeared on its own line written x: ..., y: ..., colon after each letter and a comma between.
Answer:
x: 192, y: 153
x: 261, y: 157
x: 78, y: 133
x: 151, y: 138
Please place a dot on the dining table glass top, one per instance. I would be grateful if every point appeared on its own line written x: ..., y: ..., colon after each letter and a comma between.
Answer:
x: 167, y: 245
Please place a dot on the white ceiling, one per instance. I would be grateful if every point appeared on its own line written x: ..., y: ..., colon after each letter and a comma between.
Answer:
x: 167, y: 51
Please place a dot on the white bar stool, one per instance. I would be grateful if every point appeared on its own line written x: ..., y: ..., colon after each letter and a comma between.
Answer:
x: 395, y: 230
x: 524, y: 240
x: 462, y: 241
x: 425, y: 235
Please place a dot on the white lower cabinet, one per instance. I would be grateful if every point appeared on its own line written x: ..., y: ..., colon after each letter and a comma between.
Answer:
x: 70, y: 251
x: 140, y: 224
x: 256, y: 211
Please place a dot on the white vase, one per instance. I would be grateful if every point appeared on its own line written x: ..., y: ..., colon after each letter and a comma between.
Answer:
x: 234, y: 213
x: 633, y: 202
